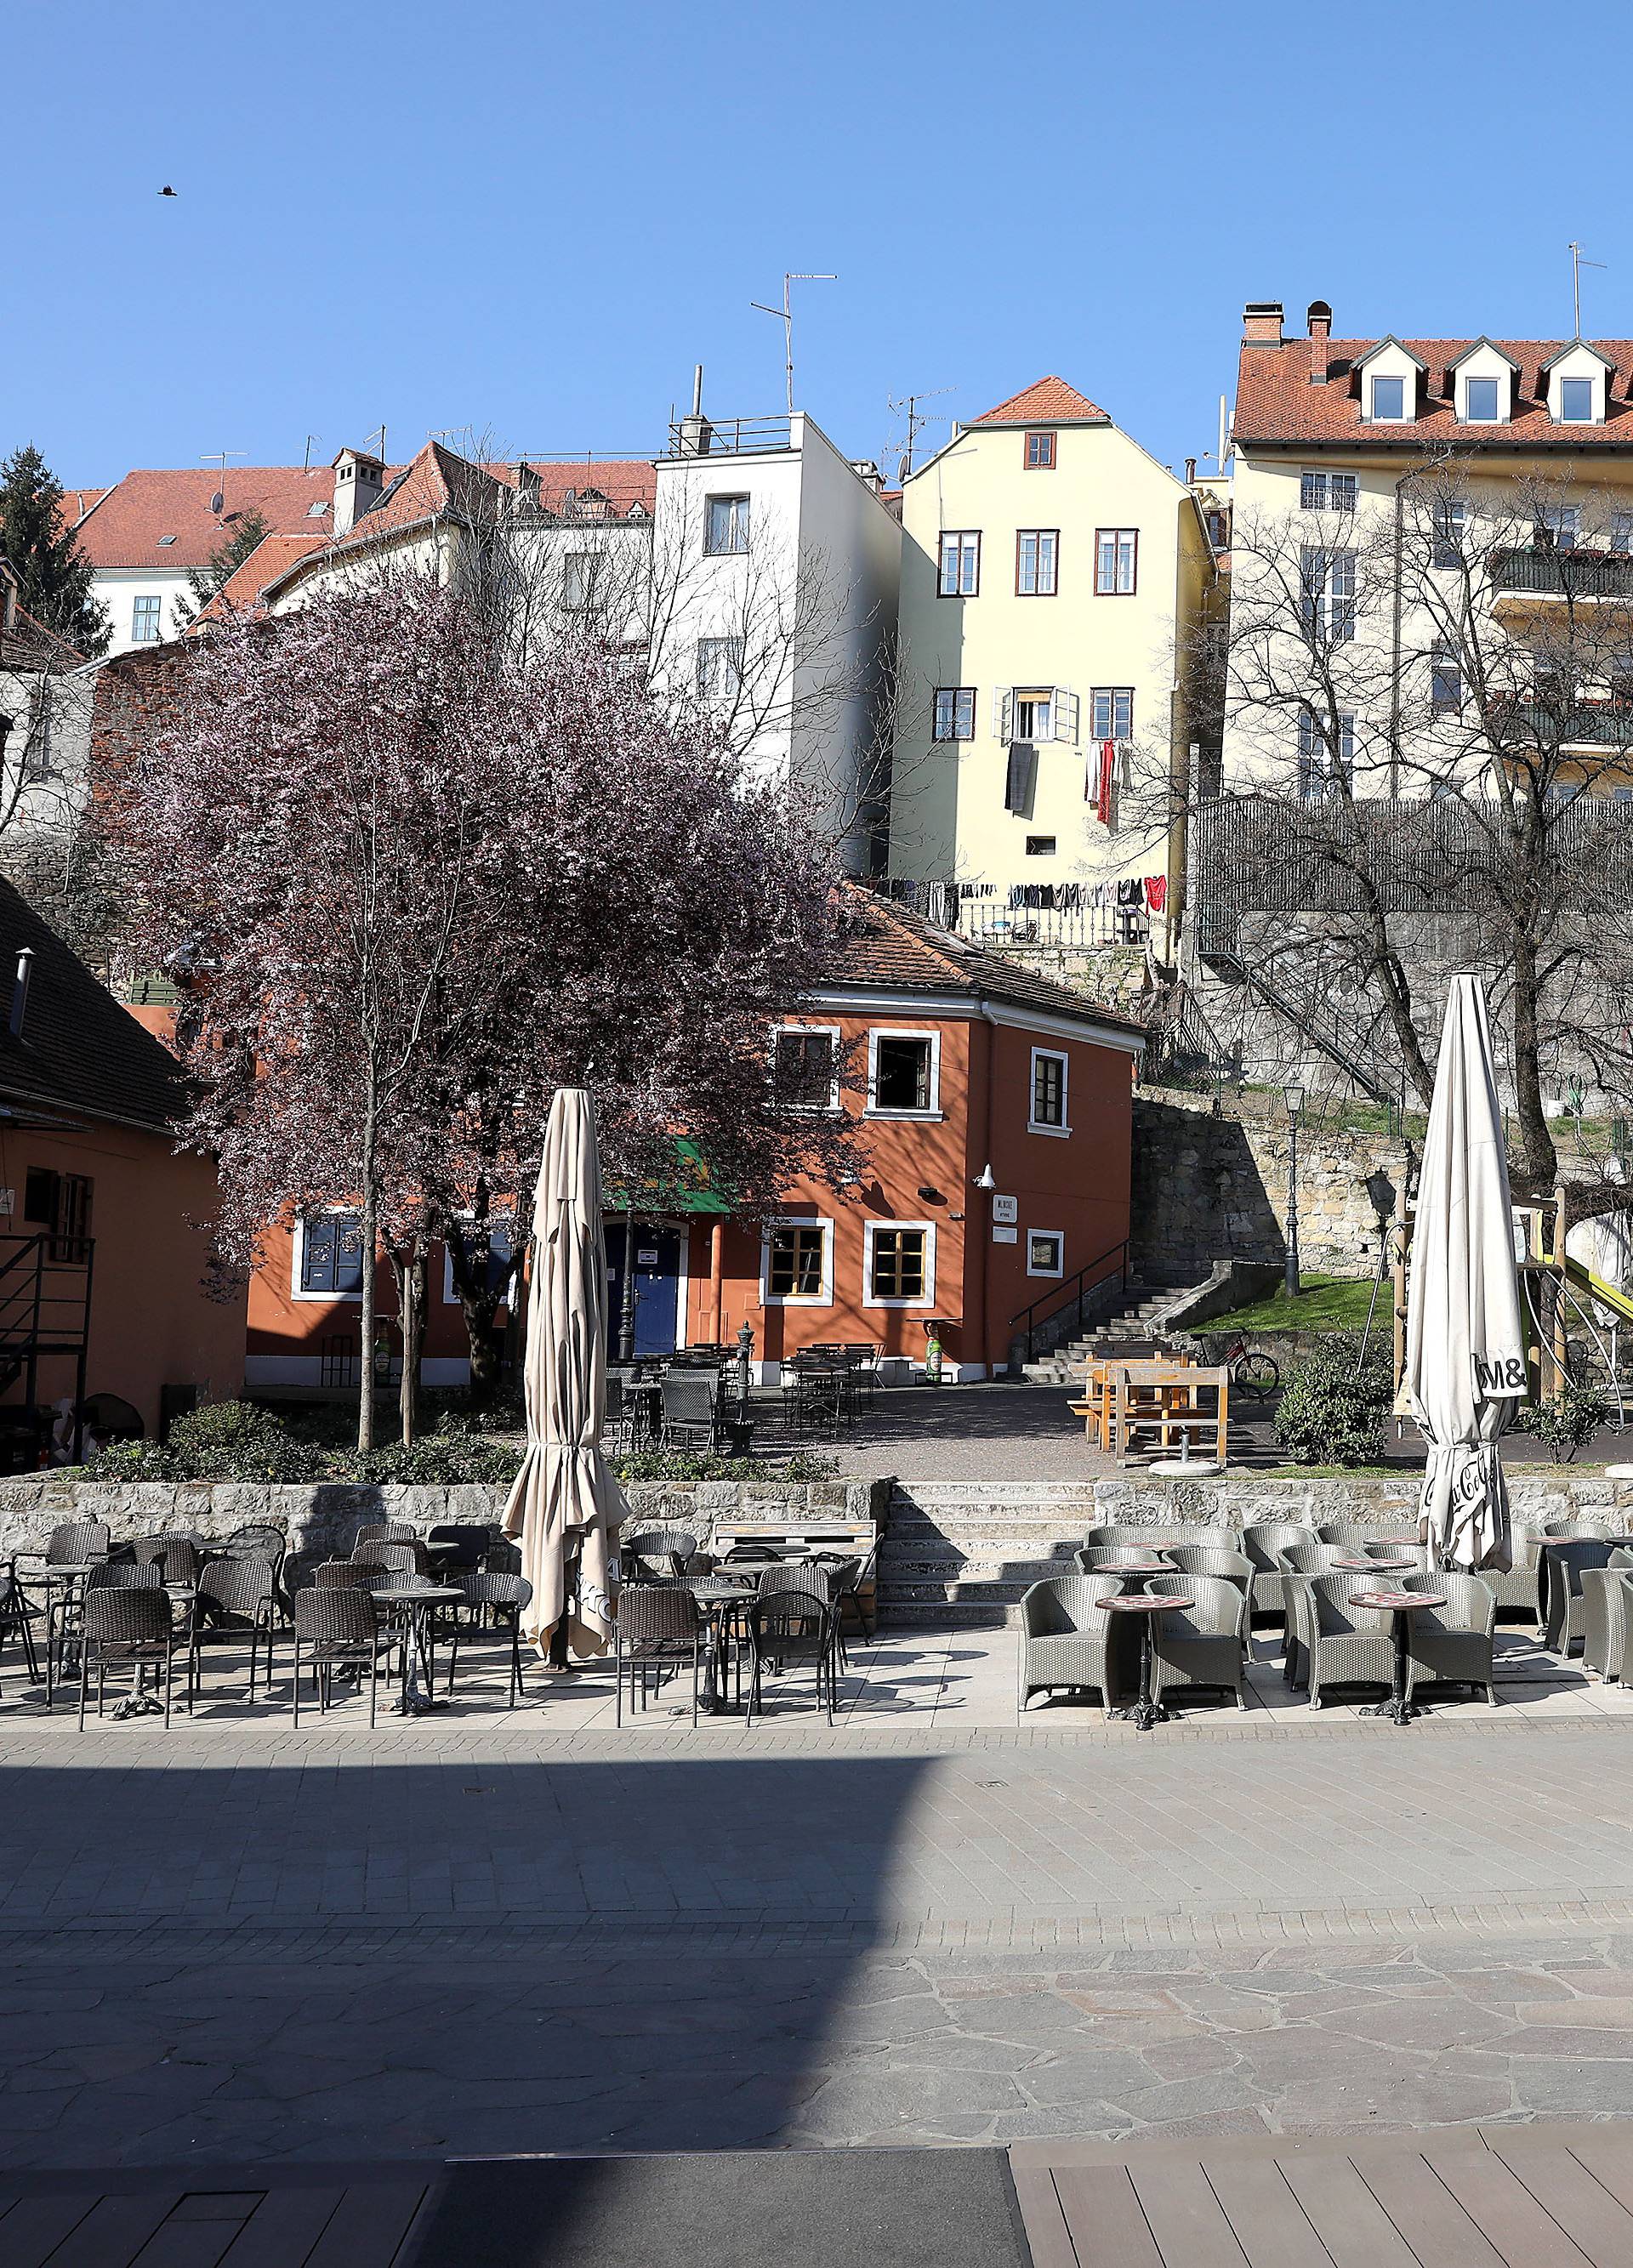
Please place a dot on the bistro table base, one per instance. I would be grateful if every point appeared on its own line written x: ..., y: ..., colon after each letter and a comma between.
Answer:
x: 1143, y: 1714
x: 1398, y: 1708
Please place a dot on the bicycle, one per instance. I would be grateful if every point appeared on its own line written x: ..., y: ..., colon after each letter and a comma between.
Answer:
x: 1253, y: 1372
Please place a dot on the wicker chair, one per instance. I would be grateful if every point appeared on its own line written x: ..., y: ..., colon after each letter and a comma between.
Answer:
x: 1562, y: 1563
x: 176, y: 1557
x: 655, y: 1552
x: 1452, y: 1645
x: 338, y: 1630
x: 506, y: 1598
x: 1207, y: 1559
x: 127, y: 1626
x: 17, y: 1616
x: 343, y: 1575
x: 656, y: 1626
x: 786, y: 1627
x: 1099, y: 1558
x: 1604, y: 1616
x: 386, y: 1531
x: 850, y: 1595
x: 1066, y: 1638
x: 233, y: 1600
x: 125, y: 1575
x: 1152, y: 1538
x: 76, y: 1541
x: 1342, y: 1644
x: 1518, y: 1588
x: 458, y: 1549
x: 1577, y: 1529
x: 393, y: 1559
x: 1260, y: 1542
x: 1348, y: 1535
x: 1205, y: 1645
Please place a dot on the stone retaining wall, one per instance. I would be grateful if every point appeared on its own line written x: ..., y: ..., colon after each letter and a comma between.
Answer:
x: 1537, y: 1493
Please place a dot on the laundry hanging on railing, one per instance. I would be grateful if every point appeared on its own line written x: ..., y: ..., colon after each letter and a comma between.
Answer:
x: 1155, y: 888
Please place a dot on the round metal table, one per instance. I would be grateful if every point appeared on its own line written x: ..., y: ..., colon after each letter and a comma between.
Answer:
x: 1147, y: 1711
x: 417, y: 1599
x: 1402, y: 1605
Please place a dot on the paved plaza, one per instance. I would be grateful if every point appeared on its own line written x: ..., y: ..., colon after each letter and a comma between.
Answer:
x: 495, y: 1931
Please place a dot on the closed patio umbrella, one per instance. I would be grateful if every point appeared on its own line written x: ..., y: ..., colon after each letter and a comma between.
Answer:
x: 1465, y: 1353
x: 565, y: 1502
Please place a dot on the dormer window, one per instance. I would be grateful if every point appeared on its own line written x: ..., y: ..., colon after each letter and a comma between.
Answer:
x: 1481, y: 381
x: 1388, y: 400
x: 1387, y: 376
x: 1576, y: 401
x: 1480, y: 401
x: 1575, y: 384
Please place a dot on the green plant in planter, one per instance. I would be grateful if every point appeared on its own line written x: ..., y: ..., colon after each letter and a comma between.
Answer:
x: 693, y: 1465
x: 1332, y: 1415
x: 1566, y: 1421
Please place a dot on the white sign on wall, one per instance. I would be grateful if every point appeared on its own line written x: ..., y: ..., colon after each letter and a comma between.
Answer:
x: 1006, y: 1209
x: 1006, y: 1235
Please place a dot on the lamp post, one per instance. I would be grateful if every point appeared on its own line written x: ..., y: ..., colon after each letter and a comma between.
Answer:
x: 1294, y: 1100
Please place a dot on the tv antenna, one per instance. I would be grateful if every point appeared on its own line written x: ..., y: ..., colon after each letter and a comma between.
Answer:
x: 916, y: 418
x: 219, y: 457
x: 785, y: 315
x: 367, y: 437
x: 306, y: 460
x: 1578, y: 263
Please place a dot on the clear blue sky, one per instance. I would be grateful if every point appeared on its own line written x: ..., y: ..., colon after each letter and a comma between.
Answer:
x: 534, y: 219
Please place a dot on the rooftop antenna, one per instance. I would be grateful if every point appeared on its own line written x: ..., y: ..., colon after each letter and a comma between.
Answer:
x: 915, y: 419
x: 1578, y: 263
x: 369, y: 437
x: 219, y: 457
x: 785, y: 314
x: 305, y: 461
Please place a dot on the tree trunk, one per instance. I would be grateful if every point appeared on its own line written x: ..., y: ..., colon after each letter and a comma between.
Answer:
x: 410, y: 1278
x: 1538, y: 1157
x: 370, y: 1227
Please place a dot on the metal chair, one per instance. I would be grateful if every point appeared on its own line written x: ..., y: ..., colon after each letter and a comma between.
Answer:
x: 1452, y: 1645
x: 232, y: 1601
x: 689, y: 1409
x: 17, y: 1616
x: 1204, y: 1645
x: 127, y: 1626
x: 1563, y: 1563
x: 656, y: 1553
x: 1066, y: 1638
x: 786, y: 1627
x: 337, y: 1629
x: 505, y: 1597
x: 655, y: 1625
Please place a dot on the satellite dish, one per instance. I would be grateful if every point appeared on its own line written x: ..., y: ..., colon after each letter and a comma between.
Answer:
x: 217, y: 501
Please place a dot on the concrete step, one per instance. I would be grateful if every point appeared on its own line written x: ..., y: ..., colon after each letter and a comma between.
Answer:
x: 954, y: 1570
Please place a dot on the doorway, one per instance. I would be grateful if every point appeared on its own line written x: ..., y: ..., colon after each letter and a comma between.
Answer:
x: 660, y: 1274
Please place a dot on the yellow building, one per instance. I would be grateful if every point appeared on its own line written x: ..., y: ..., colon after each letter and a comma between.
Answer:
x: 1054, y: 579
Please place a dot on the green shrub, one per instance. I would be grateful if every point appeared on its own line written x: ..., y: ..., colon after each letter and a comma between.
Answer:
x: 456, y: 1452
x: 1566, y: 1422
x: 1328, y: 1415
x: 691, y: 1465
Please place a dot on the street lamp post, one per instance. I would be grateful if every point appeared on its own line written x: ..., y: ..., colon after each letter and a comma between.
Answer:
x: 1294, y: 1100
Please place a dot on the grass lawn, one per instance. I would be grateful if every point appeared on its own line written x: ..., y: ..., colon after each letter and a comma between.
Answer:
x: 1326, y: 1303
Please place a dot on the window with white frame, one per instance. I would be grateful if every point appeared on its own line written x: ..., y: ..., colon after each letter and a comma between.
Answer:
x: 961, y: 562
x: 1445, y: 680
x: 1323, y: 768
x: 1111, y: 712
x: 1034, y: 716
x: 1035, y: 554
x: 806, y: 1066
x: 1326, y: 491
x: 1576, y: 401
x: 727, y: 526
x: 1327, y: 592
x: 1449, y: 521
x: 720, y: 668
x: 1034, y: 713
x: 904, y: 1073
x: 145, y: 620
x: 1045, y: 1252
x: 1116, y: 561
x: 898, y: 1264
x: 1556, y: 528
x: 1482, y: 401
x: 1387, y: 401
x: 328, y: 1256
x: 1622, y: 531
x: 580, y: 571
x: 954, y: 712
x: 1048, y: 1096
x: 492, y: 1250
x: 797, y: 1264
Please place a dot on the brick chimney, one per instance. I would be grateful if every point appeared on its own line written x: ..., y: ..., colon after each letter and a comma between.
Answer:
x: 1262, y: 323
x: 1318, y: 317
x: 358, y: 480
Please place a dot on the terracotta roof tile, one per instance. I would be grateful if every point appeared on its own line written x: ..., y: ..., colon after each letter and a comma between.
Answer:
x: 1276, y: 402
x: 241, y: 591
x: 623, y: 480
x: 886, y: 945
x: 124, y: 529
x: 1049, y: 401
x: 77, y: 502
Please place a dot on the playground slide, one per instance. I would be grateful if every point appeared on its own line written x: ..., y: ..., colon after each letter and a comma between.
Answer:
x: 1579, y: 1273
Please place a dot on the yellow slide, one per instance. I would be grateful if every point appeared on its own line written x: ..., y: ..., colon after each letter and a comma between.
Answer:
x: 1577, y: 1272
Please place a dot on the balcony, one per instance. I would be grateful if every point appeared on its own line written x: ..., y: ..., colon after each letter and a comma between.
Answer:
x: 1585, y: 725
x: 698, y: 436
x: 1521, y: 575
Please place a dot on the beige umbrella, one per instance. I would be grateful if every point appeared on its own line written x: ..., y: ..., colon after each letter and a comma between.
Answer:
x: 1465, y: 1354
x: 563, y: 1500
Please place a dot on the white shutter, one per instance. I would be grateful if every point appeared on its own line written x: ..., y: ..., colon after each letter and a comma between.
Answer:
x: 1003, y: 712
x: 1065, y: 714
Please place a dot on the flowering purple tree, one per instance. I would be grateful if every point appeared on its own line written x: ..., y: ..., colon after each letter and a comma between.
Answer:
x: 414, y: 885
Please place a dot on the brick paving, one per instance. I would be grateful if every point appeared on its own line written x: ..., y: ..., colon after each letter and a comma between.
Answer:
x: 496, y: 1930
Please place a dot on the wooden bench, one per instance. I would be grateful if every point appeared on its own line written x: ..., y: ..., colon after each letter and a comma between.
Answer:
x: 846, y: 1539
x: 1163, y: 1403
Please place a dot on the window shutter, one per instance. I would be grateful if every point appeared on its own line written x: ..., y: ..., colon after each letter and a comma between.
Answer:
x: 1003, y: 712
x: 1065, y: 714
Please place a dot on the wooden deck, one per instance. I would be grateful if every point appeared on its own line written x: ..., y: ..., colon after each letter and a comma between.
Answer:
x: 1492, y: 2197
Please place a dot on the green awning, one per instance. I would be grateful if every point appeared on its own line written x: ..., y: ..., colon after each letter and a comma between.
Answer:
x: 687, y: 1191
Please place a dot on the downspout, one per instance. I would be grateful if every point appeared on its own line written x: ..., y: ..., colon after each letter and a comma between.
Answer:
x: 982, y: 1224
x: 1395, y: 640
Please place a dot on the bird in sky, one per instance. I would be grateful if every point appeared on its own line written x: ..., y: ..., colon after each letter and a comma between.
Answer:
x: 168, y: 192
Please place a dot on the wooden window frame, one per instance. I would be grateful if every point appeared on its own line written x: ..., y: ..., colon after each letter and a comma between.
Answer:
x: 871, y: 1231
x: 823, y: 1297
x: 959, y: 693
x: 1058, y: 1129
x: 960, y: 534
x: 1031, y: 464
x: 1054, y: 592
x: 1102, y: 590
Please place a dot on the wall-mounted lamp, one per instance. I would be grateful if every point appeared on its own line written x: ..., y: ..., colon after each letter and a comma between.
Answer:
x: 985, y: 1180
x: 931, y: 1196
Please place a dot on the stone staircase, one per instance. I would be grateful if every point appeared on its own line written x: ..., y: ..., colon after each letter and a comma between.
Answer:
x: 962, y: 1553
x: 1064, y: 1365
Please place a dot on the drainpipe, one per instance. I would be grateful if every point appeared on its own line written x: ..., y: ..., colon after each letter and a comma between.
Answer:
x: 1395, y: 637
x: 717, y: 1273
x: 982, y: 1217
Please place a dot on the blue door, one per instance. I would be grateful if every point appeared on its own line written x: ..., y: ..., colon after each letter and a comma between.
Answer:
x: 657, y: 1288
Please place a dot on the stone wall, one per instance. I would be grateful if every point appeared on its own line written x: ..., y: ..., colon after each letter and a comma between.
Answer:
x: 1537, y: 1494
x: 1208, y: 1188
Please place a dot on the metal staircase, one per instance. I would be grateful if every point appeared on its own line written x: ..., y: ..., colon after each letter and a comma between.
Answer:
x: 1296, y: 1004
x: 45, y: 1314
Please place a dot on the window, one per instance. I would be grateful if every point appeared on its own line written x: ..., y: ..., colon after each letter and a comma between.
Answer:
x: 1449, y: 518
x: 954, y: 712
x: 1318, y: 774
x: 902, y: 1072
x: 329, y: 1256
x: 1040, y: 452
x: 1328, y: 579
x: 728, y: 528
x: 1326, y: 491
x: 580, y: 573
x: 1576, y: 401
x: 797, y: 1264
x: 1111, y: 713
x: 720, y: 668
x: 145, y: 620
x: 1035, y: 551
x: 899, y: 1266
x: 61, y: 1202
x: 316, y: 510
x: 494, y: 1247
x: 1389, y: 400
x: 1040, y: 846
x: 1034, y: 716
x: 1622, y: 531
x: 1556, y: 527
x: 165, y: 539
x: 805, y: 1067
x: 1480, y: 401
x: 1116, y: 559
x: 961, y: 562
x: 1048, y: 1092
x: 1045, y: 1252
x: 1445, y: 681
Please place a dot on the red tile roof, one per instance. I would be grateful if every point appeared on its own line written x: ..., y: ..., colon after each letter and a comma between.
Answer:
x: 124, y: 529
x: 623, y: 480
x: 77, y: 502
x: 241, y: 591
x: 1049, y: 401
x: 1275, y: 401
x: 886, y: 945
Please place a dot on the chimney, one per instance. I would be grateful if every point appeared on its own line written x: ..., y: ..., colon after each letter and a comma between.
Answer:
x: 1262, y: 323
x: 1190, y: 472
x: 358, y: 480
x: 529, y: 487
x: 1318, y: 317
x: 695, y: 433
x: 19, y: 989
x: 868, y: 473
x: 8, y: 598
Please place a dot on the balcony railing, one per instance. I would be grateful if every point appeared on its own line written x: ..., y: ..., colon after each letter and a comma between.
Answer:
x: 1564, y: 574
x: 1586, y: 723
x: 731, y: 437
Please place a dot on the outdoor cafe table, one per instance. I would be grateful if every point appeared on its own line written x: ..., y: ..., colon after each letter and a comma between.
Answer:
x: 1362, y: 1565
x: 416, y: 1602
x: 1147, y: 1711
x: 716, y: 1598
x: 61, y: 1575
x: 1402, y: 1605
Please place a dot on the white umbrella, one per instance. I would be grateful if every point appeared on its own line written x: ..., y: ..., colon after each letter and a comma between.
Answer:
x: 564, y: 1497
x: 1465, y: 1353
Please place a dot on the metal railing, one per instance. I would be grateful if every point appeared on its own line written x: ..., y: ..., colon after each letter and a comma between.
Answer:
x: 45, y: 1309
x: 1065, y: 918
x: 729, y: 436
x: 1564, y: 574
x: 1052, y: 1305
x: 1585, y: 724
